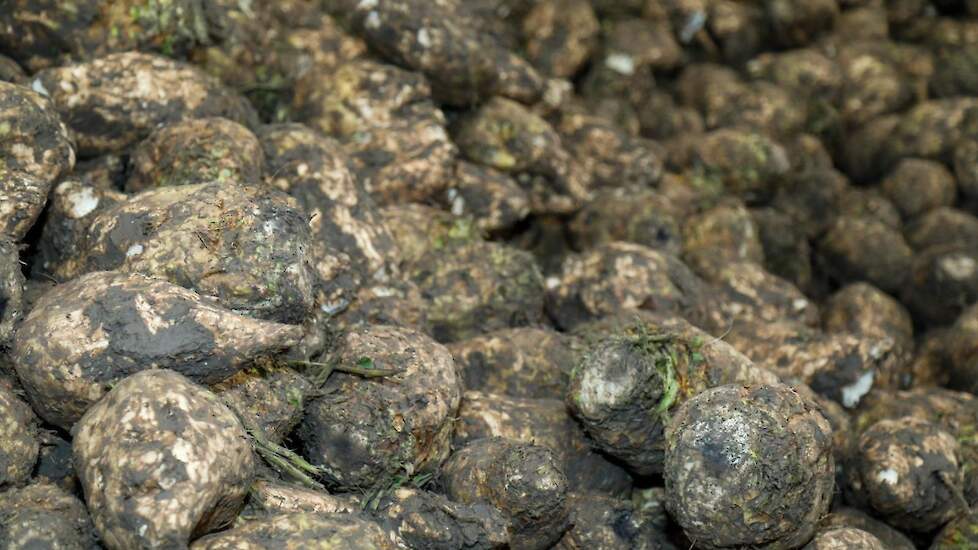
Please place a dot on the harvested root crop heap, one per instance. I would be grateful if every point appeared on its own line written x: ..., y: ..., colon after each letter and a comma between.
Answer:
x: 489, y: 274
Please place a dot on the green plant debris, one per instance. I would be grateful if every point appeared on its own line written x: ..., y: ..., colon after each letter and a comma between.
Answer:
x: 373, y: 497
x: 283, y: 460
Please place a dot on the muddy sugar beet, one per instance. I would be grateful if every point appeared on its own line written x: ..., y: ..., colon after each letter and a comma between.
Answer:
x: 364, y: 432
x: 458, y: 275
x: 84, y: 336
x: 243, y: 245
x: 161, y: 461
x: 749, y: 466
x: 523, y: 481
x: 629, y: 382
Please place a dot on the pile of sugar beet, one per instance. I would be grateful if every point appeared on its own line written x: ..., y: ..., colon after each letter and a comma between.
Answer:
x: 472, y: 274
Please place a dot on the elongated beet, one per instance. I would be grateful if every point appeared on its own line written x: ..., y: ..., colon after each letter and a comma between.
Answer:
x: 908, y: 471
x: 300, y: 530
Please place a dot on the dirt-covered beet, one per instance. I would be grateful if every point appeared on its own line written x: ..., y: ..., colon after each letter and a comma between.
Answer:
x: 11, y: 288
x: 86, y: 29
x: 719, y: 235
x: 365, y: 431
x: 544, y: 422
x: 398, y: 303
x: 418, y: 230
x: 917, y: 186
x: 271, y: 498
x: 196, y: 151
x: 351, y: 244
x: 112, y: 102
x: 629, y: 381
x: 954, y: 411
x: 519, y: 362
x: 609, y: 155
x: 42, y: 515
x: 908, y: 471
x: 747, y: 292
x: 616, y: 276
x: 962, y: 351
x: 560, y: 36
x: 267, y: 398
x: 492, y: 198
x: 747, y: 164
x: 860, y: 248
x: 853, y: 518
x: 298, y: 531
x: 385, y: 118
x: 444, y: 41
x: 842, y: 538
x: 72, y: 205
x: 602, y: 522
x: 841, y: 366
x: 635, y: 214
x: 942, y: 225
x: 35, y: 150
x: 19, y: 442
x: 86, y: 335
x: 477, y: 288
x: 506, y: 136
x: 524, y: 481
x: 420, y: 519
x: 35, y: 140
x: 161, y: 461
x: 942, y: 282
x: 749, y: 466
x: 245, y: 246
x: 861, y: 308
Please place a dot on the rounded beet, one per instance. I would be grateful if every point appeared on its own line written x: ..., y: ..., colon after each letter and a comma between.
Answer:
x: 908, y: 471
x: 364, y: 432
x: 196, y: 151
x: 749, y: 466
x: 113, y: 102
x: 42, y: 515
x: 844, y: 538
x: 628, y: 382
x: 385, y: 119
x: 300, y: 530
x: 161, y: 461
x: 524, y: 481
